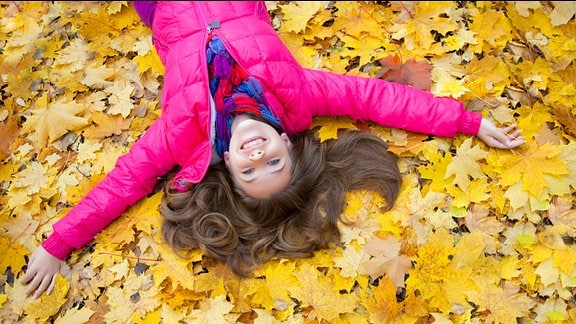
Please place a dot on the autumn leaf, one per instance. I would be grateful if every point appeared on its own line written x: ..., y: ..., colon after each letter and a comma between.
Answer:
x: 465, y: 164
x: 532, y: 166
x: 416, y: 74
x: 329, y: 127
x: 502, y: 303
x: 352, y: 262
x: 48, y: 305
x: 386, y: 260
x: 383, y: 307
x: 106, y: 126
x: 297, y: 14
x: 50, y: 120
x: 12, y: 253
x: 316, y: 291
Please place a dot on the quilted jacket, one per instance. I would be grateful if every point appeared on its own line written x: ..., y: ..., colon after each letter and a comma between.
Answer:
x: 181, y: 136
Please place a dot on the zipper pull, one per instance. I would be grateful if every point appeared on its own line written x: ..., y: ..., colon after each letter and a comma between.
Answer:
x: 213, y: 25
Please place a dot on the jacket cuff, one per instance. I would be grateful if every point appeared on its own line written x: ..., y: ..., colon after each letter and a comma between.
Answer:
x: 57, y: 247
x: 470, y: 123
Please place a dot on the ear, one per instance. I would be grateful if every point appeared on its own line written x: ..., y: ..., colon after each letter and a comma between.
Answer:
x: 226, y: 157
x: 287, y: 140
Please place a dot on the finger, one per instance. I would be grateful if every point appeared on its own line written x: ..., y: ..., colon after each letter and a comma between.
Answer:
x: 43, y: 286
x: 515, y: 134
x: 508, y: 129
x: 501, y: 140
x: 52, y: 285
x: 30, y: 271
x: 33, y: 285
x: 29, y: 275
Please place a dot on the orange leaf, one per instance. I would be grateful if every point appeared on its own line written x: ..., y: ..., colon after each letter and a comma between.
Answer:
x: 416, y: 74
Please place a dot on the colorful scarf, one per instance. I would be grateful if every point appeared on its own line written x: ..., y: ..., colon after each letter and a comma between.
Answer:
x: 234, y: 93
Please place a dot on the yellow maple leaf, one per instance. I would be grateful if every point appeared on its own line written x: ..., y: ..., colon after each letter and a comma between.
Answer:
x: 358, y: 19
x: 48, y: 305
x: 279, y: 278
x: 485, y: 77
x: 465, y: 164
x: 448, y: 86
x: 366, y: 48
x: 315, y: 291
x: 303, y: 54
x: 479, y: 219
x: 214, y: 310
x: 149, y: 61
x: 532, y: 166
x: 435, y: 169
x: 382, y: 305
x: 431, y: 271
x: 531, y: 119
x: 298, y: 13
x: 504, y: 303
x: 493, y: 28
x: 329, y: 127
x: 175, y: 267
x: 552, y: 311
x: 33, y: 178
x: 132, y: 301
x: 51, y: 120
x: 478, y: 191
x: 120, y: 98
x: 352, y: 261
x: 12, y: 254
x: 97, y: 75
x: 106, y: 126
x: 468, y: 250
x: 74, y: 56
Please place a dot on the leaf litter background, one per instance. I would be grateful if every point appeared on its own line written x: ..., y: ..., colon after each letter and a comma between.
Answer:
x: 477, y: 234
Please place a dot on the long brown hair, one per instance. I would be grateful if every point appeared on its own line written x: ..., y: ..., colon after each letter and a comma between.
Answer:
x: 217, y: 217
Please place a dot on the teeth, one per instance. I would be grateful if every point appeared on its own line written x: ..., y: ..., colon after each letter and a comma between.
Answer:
x: 252, y: 143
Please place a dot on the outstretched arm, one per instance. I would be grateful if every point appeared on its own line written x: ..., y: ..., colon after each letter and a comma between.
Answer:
x: 388, y: 104
x: 399, y: 106
x: 133, y: 177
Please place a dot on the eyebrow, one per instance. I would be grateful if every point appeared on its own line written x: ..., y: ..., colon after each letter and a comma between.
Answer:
x: 273, y: 172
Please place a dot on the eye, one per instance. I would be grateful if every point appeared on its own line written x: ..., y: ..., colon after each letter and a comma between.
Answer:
x: 273, y: 162
x: 248, y: 171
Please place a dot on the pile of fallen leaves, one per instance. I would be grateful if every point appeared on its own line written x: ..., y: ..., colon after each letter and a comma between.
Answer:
x: 477, y: 234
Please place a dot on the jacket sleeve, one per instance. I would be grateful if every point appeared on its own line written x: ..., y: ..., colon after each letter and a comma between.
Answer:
x: 388, y: 104
x: 133, y: 177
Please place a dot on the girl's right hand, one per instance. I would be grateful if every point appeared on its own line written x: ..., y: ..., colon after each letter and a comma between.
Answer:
x: 41, y: 273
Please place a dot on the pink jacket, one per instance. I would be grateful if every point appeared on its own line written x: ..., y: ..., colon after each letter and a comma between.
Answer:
x: 295, y: 94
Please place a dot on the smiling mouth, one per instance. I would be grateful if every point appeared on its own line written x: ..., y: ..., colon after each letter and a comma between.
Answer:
x: 252, y: 143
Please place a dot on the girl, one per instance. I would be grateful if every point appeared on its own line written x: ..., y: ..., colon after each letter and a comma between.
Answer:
x: 237, y: 107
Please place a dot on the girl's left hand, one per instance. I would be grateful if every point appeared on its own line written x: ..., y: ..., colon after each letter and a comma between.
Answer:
x: 502, y: 138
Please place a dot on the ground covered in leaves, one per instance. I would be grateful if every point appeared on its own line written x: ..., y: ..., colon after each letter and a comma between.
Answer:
x: 477, y: 234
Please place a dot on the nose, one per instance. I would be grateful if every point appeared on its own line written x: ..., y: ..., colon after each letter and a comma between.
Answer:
x: 256, y: 155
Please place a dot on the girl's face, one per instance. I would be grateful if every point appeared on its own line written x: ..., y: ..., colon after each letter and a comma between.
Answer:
x: 258, y: 157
